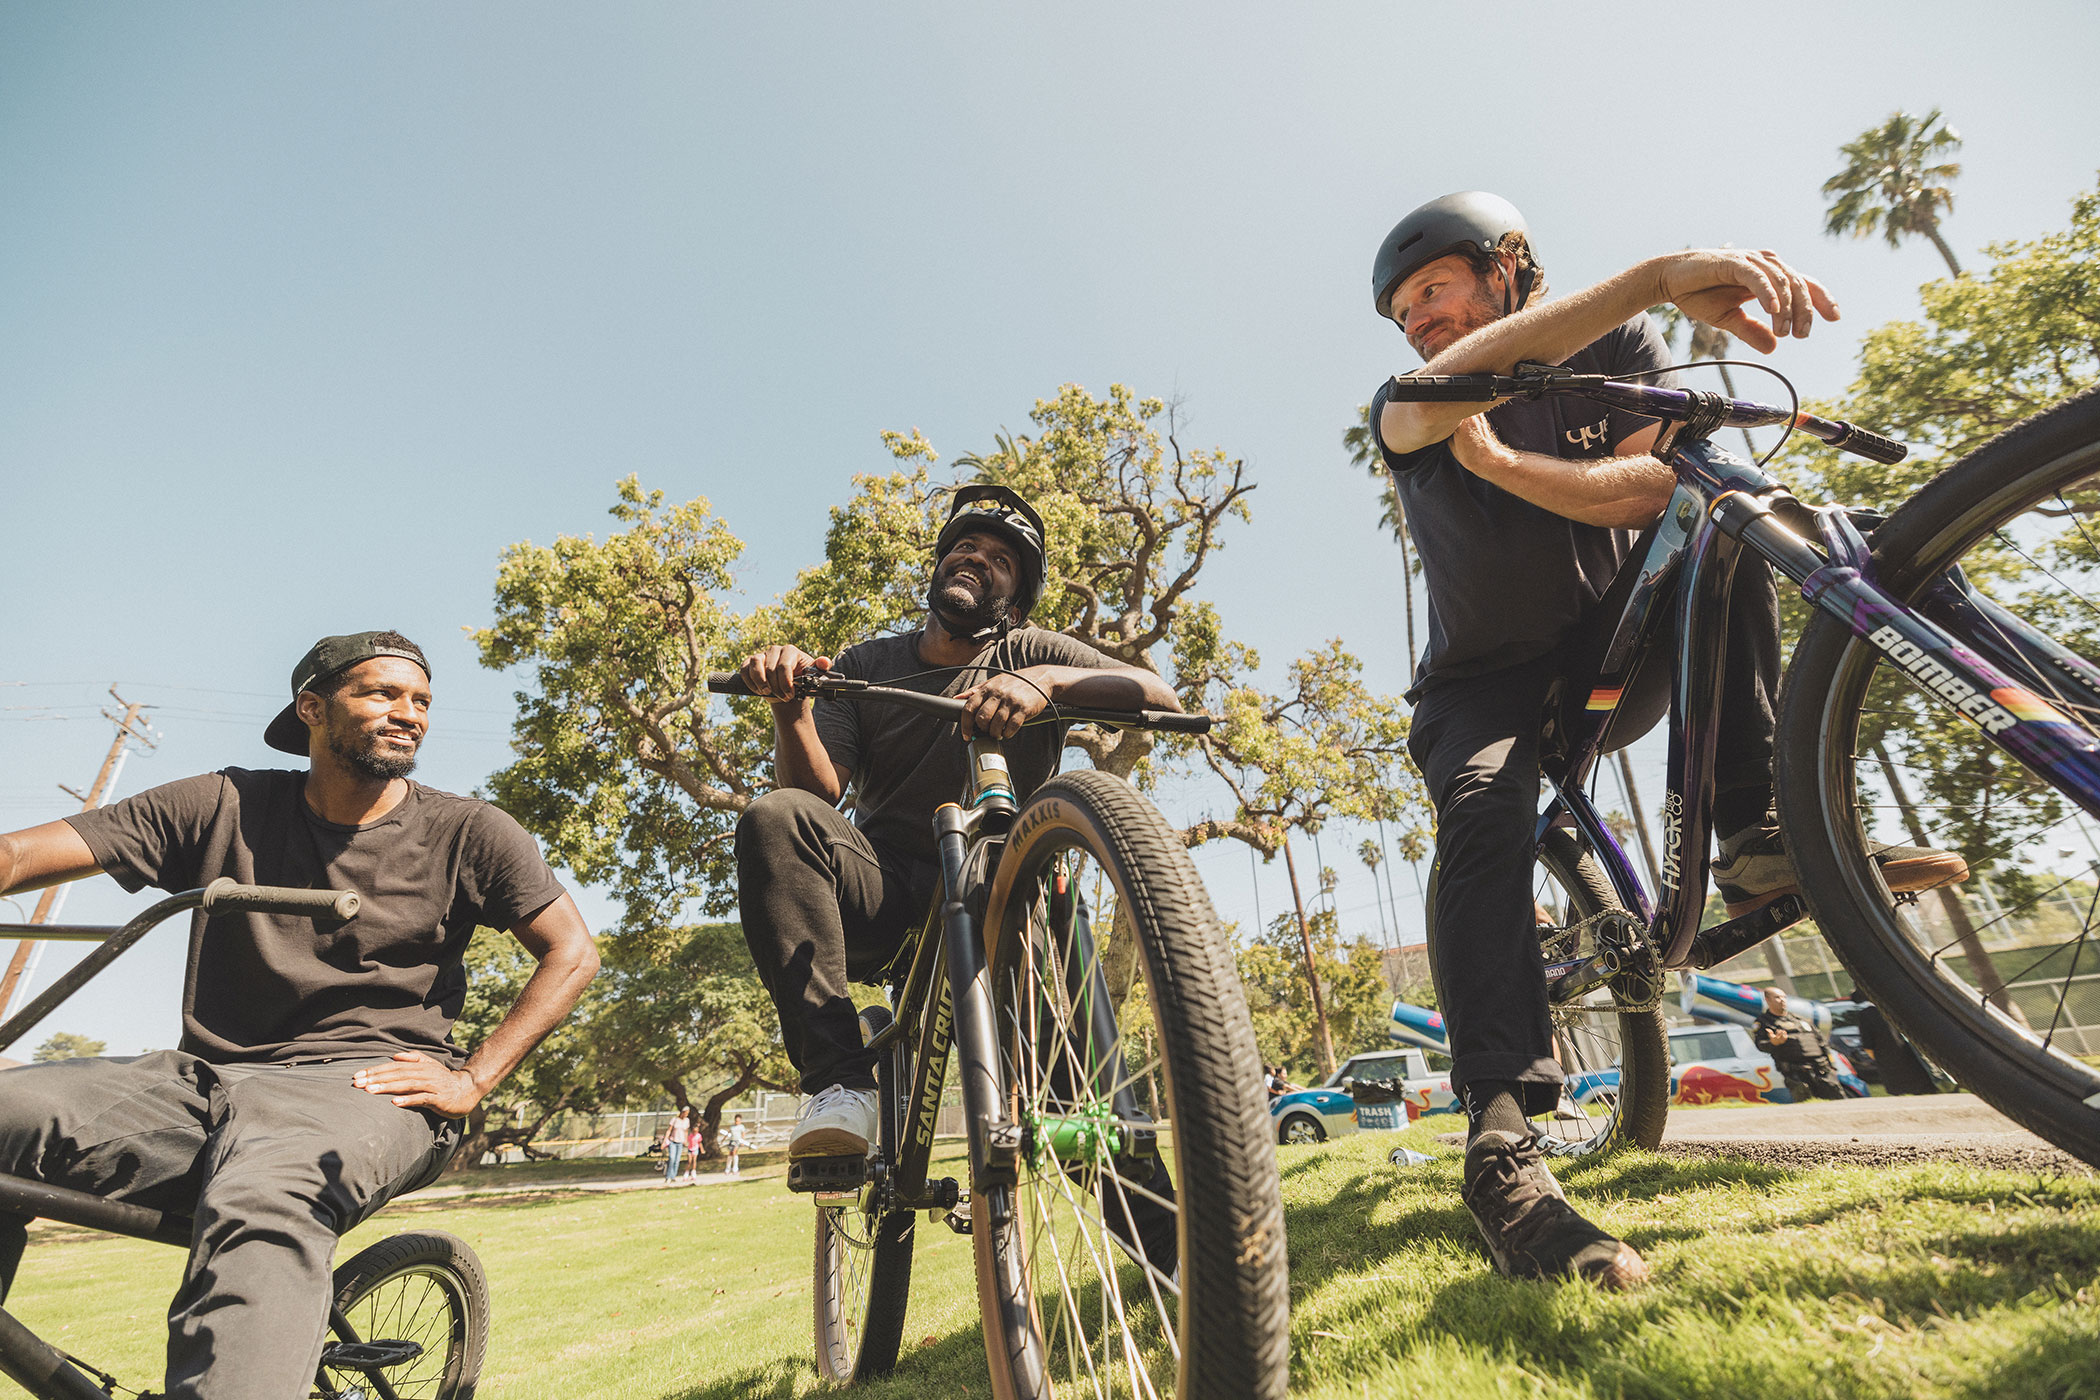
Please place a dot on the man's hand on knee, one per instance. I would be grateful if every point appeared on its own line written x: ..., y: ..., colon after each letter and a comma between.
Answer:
x: 417, y: 1081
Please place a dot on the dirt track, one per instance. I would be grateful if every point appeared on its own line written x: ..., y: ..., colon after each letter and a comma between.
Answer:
x: 1872, y: 1132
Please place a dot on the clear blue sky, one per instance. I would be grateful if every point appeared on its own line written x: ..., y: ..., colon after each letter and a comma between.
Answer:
x: 310, y: 310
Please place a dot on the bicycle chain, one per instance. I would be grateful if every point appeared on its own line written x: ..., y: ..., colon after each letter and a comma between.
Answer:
x: 1639, y: 965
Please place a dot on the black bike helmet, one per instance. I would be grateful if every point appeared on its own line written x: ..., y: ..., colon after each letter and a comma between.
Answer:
x: 1472, y: 219
x: 996, y: 508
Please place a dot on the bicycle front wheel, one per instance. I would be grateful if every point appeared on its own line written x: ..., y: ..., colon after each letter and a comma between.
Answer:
x: 421, y: 1295
x: 1996, y: 978
x: 1141, y: 1250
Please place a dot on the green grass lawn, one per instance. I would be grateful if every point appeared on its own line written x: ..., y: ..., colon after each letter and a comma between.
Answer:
x: 1773, y: 1283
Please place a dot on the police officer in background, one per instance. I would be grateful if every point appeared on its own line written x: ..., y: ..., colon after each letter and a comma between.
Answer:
x: 1796, y: 1048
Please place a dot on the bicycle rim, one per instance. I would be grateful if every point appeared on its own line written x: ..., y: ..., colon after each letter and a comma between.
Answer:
x: 425, y: 1304
x: 859, y: 1255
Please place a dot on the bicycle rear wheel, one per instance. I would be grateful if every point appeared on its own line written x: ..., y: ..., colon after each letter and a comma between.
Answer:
x: 1610, y: 1039
x: 424, y: 1288
x: 862, y: 1268
x: 1995, y: 979
x: 1141, y: 1251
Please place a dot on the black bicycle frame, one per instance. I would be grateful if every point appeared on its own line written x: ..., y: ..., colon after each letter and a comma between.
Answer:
x: 1960, y: 647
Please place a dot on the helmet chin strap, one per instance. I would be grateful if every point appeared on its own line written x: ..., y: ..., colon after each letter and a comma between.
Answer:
x: 982, y: 634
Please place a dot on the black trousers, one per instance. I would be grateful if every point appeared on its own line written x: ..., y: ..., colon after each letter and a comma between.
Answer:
x: 1817, y: 1077
x: 822, y: 906
x: 1476, y: 742
x: 274, y: 1162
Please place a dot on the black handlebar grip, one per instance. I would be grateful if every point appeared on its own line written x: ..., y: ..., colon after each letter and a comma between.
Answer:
x: 1174, y: 723
x: 727, y: 683
x: 1440, y: 388
x: 1872, y: 446
x: 225, y: 895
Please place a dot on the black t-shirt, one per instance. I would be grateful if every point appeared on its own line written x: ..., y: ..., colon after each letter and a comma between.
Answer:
x: 1801, y: 1046
x: 1509, y: 580
x: 905, y: 764
x: 272, y: 987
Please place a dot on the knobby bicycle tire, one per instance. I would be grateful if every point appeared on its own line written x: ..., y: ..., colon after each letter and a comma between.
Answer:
x: 1225, y: 1336
x: 1595, y: 1038
x: 426, y: 1287
x: 2017, y: 1068
x: 862, y: 1264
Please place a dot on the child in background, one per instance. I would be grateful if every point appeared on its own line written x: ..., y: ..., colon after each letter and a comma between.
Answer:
x: 734, y: 1142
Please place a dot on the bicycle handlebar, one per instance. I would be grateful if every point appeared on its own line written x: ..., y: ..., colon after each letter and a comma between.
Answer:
x: 227, y: 896
x: 816, y: 683
x: 1675, y: 405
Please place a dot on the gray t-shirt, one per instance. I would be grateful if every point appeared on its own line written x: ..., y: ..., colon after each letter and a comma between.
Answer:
x: 905, y: 764
x: 1509, y: 580
x: 273, y: 987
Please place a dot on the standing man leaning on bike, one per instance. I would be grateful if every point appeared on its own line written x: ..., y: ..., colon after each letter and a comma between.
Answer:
x: 825, y: 899
x: 316, y: 1078
x: 1523, y: 513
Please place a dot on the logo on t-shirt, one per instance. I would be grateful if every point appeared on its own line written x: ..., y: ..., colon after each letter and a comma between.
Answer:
x: 1582, y: 438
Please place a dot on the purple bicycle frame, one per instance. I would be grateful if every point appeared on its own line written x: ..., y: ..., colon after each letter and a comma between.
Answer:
x: 1957, y: 645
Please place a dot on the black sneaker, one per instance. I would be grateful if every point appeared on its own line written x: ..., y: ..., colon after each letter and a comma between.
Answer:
x: 1754, y: 869
x: 1530, y: 1229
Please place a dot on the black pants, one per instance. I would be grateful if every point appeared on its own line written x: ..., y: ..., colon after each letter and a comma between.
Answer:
x: 1817, y: 1077
x: 1476, y: 742
x: 274, y: 1161
x: 822, y: 906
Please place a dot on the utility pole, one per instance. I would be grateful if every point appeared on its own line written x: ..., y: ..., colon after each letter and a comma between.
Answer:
x: 1312, y: 973
x: 129, y: 731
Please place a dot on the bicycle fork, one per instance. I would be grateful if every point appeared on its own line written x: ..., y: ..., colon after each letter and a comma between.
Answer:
x: 995, y: 1139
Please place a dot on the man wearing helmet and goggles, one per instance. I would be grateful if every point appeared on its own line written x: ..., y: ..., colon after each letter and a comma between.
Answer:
x: 1523, y: 514
x: 826, y: 899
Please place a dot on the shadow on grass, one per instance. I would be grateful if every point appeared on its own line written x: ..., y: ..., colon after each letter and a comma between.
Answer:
x: 951, y: 1366
x: 1338, y: 1234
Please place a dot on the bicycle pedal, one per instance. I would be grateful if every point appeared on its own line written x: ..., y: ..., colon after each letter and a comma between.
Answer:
x: 369, y: 1356
x: 823, y: 1174
x: 956, y: 1217
x: 1714, y: 946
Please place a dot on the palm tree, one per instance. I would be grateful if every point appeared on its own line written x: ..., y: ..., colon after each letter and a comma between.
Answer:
x: 1891, y: 184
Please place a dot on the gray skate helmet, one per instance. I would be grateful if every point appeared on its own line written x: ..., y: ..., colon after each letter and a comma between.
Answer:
x: 1471, y: 219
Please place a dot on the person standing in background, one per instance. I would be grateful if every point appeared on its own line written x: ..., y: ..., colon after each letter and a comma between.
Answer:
x: 674, y: 1145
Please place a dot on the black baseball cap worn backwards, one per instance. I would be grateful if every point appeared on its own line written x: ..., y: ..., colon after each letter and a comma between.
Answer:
x: 331, y: 656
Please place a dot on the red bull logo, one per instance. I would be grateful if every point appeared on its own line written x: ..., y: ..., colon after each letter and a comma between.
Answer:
x: 1702, y: 1084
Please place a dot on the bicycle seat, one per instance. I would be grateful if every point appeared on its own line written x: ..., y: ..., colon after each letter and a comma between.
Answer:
x: 1645, y: 697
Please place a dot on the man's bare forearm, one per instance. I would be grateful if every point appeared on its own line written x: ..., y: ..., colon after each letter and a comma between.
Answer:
x: 1550, y: 332
x: 550, y: 994
x: 800, y: 759
x: 1115, y: 688
x: 1619, y: 492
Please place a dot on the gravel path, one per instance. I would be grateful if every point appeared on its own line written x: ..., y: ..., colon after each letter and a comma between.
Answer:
x: 1870, y: 1132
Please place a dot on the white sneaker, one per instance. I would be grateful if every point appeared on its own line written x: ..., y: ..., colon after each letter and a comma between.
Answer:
x: 838, y: 1122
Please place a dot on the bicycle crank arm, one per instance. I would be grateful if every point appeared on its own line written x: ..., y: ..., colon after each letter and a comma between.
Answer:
x: 1713, y: 946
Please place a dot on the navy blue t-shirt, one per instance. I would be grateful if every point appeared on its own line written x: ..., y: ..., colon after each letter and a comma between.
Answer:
x: 1509, y: 580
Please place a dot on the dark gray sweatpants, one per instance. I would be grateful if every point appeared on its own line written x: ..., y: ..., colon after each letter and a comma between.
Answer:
x: 273, y: 1161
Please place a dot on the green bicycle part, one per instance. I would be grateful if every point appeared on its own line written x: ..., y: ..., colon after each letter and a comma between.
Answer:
x: 1090, y: 1133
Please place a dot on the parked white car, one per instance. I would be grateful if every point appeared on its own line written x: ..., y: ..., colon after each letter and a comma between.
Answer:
x: 1314, y: 1115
